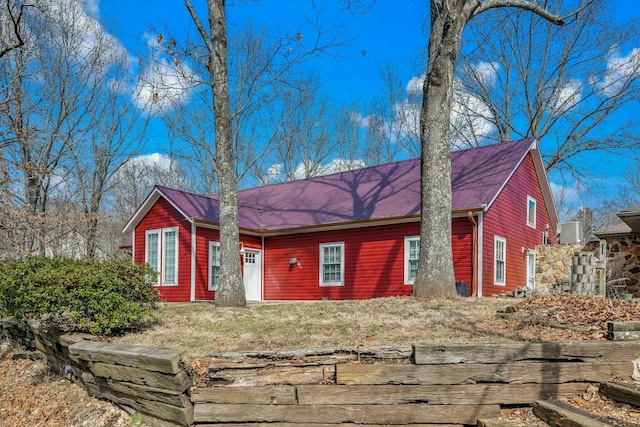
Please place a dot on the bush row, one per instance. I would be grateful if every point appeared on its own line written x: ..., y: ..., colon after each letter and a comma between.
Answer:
x: 98, y: 297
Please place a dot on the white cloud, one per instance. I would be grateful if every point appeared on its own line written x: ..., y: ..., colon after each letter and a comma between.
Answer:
x: 359, y: 119
x: 486, y: 73
x: 163, y: 85
x: 414, y: 87
x: 160, y: 161
x: 308, y: 168
x: 92, y: 7
x: 469, y: 115
x: 619, y: 70
x: 566, y: 96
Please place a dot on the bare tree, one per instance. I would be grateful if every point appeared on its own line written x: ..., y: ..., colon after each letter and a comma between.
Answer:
x: 10, y: 31
x: 231, y: 289
x: 42, y: 110
x: 66, y: 123
x: 392, y: 120
x: 559, y: 84
x: 435, y: 275
x: 309, y: 138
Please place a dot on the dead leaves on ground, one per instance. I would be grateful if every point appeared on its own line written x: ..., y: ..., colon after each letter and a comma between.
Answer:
x: 587, y: 315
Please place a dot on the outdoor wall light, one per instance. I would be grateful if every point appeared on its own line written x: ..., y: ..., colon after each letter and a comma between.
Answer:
x: 293, y: 261
x: 241, y: 248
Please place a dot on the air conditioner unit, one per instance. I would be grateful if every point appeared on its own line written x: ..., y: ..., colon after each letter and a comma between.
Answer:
x: 570, y: 232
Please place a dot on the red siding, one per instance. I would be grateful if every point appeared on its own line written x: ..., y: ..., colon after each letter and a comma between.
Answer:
x: 507, y: 218
x: 203, y: 237
x: 374, y: 262
x: 461, y: 243
x: 164, y: 215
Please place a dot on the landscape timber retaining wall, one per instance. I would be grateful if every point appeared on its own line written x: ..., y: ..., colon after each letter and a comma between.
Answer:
x: 424, y: 385
x: 153, y: 381
x: 445, y: 385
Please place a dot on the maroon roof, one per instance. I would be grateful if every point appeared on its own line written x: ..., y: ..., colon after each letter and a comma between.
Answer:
x: 377, y: 192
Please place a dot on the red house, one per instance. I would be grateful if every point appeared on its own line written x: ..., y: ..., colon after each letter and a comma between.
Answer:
x: 354, y: 235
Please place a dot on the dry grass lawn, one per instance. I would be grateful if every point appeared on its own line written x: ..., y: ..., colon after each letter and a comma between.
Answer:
x: 203, y: 328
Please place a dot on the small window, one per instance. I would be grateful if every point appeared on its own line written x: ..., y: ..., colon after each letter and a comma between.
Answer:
x: 500, y: 262
x: 214, y: 266
x: 411, y: 255
x: 332, y: 264
x: 531, y: 212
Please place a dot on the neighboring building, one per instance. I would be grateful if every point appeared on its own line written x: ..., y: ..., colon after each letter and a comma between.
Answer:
x: 354, y: 235
x: 620, y: 248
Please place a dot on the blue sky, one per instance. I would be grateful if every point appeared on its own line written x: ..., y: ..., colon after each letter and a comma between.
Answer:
x: 390, y: 31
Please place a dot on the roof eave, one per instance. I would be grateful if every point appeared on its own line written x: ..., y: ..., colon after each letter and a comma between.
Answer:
x: 145, y: 207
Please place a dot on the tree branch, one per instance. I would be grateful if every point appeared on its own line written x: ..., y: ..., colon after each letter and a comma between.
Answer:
x: 526, y: 5
x: 200, y: 27
x: 15, y: 20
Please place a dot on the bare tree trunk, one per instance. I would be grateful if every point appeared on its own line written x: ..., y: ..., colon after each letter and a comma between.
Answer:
x: 231, y: 289
x: 435, y: 275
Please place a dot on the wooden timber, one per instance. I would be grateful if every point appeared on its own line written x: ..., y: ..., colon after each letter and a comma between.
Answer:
x: 160, y: 359
x: 461, y: 394
x: 621, y: 393
x: 561, y: 414
x: 334, y: 414
x: 583, y: 351
x: 511, y: 373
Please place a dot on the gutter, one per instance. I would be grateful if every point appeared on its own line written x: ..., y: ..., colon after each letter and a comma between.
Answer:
x: 474, y: 255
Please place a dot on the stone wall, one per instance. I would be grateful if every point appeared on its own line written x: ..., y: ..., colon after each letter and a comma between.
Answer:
x: 623, y: 260
x: 553, y: 264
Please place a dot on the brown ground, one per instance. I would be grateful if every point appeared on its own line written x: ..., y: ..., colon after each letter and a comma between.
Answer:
x: 31, y: 396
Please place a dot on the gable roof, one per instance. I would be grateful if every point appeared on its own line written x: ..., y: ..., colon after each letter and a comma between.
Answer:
x: 385, y: 192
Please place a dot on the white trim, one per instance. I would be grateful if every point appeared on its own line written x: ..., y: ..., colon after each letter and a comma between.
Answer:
x: 535, y: 211
x: 531, y: 278
x: 407, y: 248
x: 259, y: 260
x: 480, y: 252
x: 320, y: 259
x: 146, y: 206
x: 133, y: 245
x: 174, y: 282
x: 513, y: 171
x: 543, y: 180
x: 497, y: 239
x: 212, y: 244
x: 158, y: 267
x: 192, y: 296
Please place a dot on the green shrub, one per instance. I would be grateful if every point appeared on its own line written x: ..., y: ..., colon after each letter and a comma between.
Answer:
x: 99, y: 297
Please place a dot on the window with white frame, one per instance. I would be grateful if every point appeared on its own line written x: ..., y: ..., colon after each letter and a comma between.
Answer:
x: 170, y: 256
x: 499, y: 260
x: 161, y: 253
x: 214, y: 266
x: 411, y: 255
x: 152, y: 250
x: 531, y: 212
x: 332, y: 264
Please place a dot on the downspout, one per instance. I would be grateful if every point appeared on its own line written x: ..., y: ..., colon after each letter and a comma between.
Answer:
x: 474, y: 254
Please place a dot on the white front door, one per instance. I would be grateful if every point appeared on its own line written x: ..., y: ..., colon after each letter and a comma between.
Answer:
x: 531, y: 269
x: 252, y: 264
